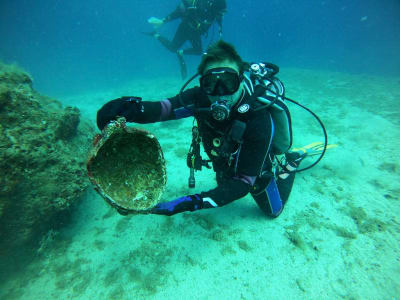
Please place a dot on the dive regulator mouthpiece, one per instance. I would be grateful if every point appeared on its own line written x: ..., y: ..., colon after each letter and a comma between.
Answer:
x: 220, y: 111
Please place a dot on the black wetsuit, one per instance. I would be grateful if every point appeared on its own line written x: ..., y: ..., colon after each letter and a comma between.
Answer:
x: 197, y: 18
x: 237, y: 174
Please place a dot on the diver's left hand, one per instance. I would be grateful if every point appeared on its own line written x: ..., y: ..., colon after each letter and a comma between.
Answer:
x: 127, y: 107
x: 185, y: 203
x: 156, y: 22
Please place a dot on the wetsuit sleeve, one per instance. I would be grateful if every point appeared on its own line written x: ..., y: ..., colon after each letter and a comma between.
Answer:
x: 188, y: 97
x: 215, y: 198
x: 227, y: 192
x: 177, y: 13
x: 182, y: 105
x: 148, y: 111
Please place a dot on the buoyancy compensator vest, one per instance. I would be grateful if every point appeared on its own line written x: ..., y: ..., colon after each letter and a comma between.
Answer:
x: 261, y: 82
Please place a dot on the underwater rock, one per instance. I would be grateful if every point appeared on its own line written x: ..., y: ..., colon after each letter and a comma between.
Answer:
x: 13, y: 75
x: 5, y: 97
x: 68, y: 124
x: 43, y: 150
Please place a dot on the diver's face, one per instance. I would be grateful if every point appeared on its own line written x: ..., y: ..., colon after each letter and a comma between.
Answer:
x: 231, y: 99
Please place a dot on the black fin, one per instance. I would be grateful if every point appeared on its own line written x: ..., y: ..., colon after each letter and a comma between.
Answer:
x: 149, y: 33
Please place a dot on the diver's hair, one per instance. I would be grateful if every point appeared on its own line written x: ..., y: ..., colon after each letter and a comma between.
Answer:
x: 220, y: 51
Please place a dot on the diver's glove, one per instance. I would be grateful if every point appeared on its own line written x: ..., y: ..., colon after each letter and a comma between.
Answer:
x: 127, y: 107
x: 131, y: 108
x: 186, y: 203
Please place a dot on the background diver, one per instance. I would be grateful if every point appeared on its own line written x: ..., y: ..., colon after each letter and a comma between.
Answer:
x: 243, y: 124
x: 196, y: 16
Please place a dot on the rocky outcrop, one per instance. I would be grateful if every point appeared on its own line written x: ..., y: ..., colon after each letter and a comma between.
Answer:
x: 43, y: 150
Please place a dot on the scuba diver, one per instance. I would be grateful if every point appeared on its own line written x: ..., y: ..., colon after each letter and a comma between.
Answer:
x: 243, y: 124
x: 196, y: 16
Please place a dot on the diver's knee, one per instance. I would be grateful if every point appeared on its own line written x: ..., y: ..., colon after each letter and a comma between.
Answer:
x: 267, y: 196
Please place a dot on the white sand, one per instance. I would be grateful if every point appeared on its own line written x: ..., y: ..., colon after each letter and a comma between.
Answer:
x: 338, y: 237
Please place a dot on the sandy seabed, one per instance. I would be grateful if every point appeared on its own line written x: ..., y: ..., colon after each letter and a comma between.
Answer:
x: 338, y: 237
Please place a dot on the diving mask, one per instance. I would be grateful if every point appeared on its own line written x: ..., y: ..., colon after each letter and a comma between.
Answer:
x: 220, y: 81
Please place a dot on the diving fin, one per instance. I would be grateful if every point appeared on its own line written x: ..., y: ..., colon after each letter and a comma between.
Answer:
x: 182, y: 64
x: 312, y: 149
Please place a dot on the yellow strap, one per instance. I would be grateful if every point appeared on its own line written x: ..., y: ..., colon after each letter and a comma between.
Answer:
x: 316, y: 146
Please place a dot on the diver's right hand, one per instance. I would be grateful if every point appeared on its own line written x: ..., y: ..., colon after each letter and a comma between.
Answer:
x: 128, y: 107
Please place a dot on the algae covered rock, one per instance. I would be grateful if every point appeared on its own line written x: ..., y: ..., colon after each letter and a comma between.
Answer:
x: 43, y: 150
x: 127, y: 168
x: 68, y: 124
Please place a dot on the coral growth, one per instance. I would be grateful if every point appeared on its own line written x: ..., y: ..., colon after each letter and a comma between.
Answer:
x: 43, y: 149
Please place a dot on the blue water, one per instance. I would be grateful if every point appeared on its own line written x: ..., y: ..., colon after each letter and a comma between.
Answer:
x: 73, y: 46
x: 338, y: 237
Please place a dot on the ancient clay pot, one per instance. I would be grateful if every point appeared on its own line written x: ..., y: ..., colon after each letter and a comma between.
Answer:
x: 127, y: 168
